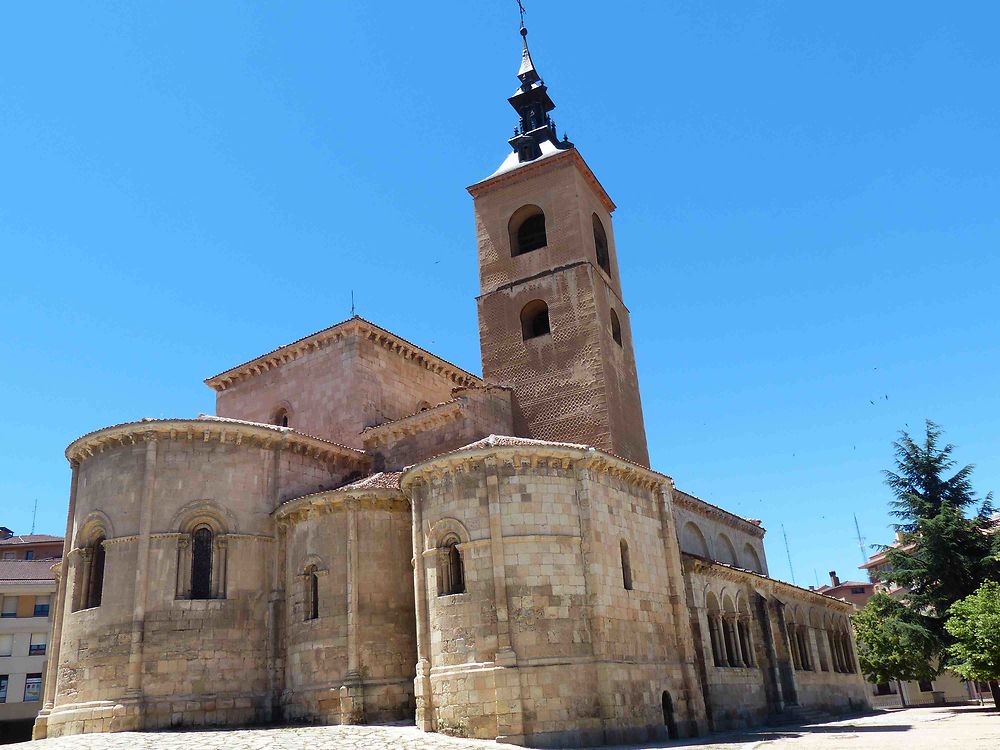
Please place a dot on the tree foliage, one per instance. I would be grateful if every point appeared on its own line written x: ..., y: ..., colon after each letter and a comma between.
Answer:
x: 946, y: 552
x: 974, y: 624
x: 894, y: 642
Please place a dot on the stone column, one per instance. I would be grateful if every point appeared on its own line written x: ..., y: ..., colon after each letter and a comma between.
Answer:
x: 841, y: 661
x: 786, y: 672
x: 852, y: 662
x: 734, y: 624
x: 133, y: 714
x: 352, y: 709
x: 746, y: 643
x: 583, y: 500
x: 221, y: 547
x: 84, y: 558
x: 740, y: 643
x: 40, y: 730
x: 715, y: 622
x: 422, y: 682
x: 727, y: 631
x: 510, y: 722
x: 681, y: 616
x: 276, y: 596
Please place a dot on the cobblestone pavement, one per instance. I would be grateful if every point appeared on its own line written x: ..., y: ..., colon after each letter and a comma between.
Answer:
x: 969, y: 728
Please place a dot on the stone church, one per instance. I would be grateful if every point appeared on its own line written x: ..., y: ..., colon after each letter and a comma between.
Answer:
x: 366, y: 532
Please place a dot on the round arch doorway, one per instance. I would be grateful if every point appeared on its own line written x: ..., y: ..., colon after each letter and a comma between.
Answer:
x: 668, y: 716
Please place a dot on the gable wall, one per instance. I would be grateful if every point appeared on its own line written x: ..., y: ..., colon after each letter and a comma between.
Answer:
x: 337, y: 391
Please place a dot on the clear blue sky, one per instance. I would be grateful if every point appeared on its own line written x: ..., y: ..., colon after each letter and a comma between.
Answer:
x: 808, y: 229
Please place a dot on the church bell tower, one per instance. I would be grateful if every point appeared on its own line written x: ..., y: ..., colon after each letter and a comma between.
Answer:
x: 552, y: 322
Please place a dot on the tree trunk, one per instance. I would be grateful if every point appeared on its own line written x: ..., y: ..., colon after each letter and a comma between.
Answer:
x: 902, y: 695
x: 995, y: 690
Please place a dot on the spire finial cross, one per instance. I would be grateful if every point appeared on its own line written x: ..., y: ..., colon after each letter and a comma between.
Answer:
x: 520, y: 8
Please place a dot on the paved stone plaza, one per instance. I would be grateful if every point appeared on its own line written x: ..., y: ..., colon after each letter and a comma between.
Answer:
x: 971, y: 728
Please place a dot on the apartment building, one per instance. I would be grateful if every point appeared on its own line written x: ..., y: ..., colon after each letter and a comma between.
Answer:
x: 27, y: 590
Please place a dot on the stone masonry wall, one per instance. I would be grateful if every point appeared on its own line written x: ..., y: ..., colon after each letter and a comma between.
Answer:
x: 364, y: 637
x: 471, y: 415
x: 336, y: 391
x: 148, y: 655
x: 591, y: 659
x: 707, y: 531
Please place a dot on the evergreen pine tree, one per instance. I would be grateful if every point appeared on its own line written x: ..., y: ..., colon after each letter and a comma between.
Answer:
x: 946, y: 551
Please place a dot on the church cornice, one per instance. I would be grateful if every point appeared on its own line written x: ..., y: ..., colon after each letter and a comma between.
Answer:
x: 697, y: 505
x: 527, y: 169
x: 206, y: 430
x: 356, y: 326
x: 520, y: 452
x: 715, y: 569
x: 414, y: 424
x: 339, y: 500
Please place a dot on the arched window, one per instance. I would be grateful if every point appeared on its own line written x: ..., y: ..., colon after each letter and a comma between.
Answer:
x: 280, y: 417
x: 451, y: 572
x: 311, y: 593
x: 616, y: 328
x: 601, y: 245
x: 535, y: 320
x: 89, y: 574
x: 714, y: 614
x: 626, y: 565
x: 729, y: 634
x: 527, y: 230
x: 201, y: 563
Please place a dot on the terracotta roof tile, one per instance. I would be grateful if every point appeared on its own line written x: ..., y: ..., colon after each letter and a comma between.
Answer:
x: 461, y: 374
x: 27, y: 571
x: 31, y: 539
x: 383, y: 480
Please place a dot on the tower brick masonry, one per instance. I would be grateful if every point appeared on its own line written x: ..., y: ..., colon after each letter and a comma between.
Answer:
x: 578, y: 382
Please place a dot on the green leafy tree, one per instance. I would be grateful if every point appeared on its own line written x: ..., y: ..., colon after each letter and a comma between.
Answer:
x: 974, y: 624
x: 894, y: 643
x: 946, y: 552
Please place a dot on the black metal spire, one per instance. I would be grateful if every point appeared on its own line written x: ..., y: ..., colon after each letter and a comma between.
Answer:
x: 532, y: 103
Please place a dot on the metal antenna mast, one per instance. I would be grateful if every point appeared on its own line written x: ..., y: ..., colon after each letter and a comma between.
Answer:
x: 352, y: 303
x: 788, y: 552
x: 861, y: 539
x: 34, y: 512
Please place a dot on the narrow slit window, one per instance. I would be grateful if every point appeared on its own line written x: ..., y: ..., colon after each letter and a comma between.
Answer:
x: 95, y: 583
x: 451, y: 571
x: 626, y: 566
x: 311, y: 593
